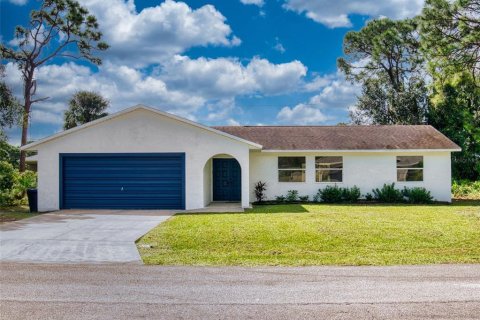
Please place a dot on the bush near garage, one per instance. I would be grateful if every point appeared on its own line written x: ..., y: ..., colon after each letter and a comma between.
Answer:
x: 14, y: 184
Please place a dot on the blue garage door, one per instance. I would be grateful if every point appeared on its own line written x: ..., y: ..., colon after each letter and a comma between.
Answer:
x: 122, y: 181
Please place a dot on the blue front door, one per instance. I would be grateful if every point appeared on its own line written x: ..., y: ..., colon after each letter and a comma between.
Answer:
x: 227, y: 180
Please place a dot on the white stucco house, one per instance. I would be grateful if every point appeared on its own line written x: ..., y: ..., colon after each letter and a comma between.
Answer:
x: 143, y: 158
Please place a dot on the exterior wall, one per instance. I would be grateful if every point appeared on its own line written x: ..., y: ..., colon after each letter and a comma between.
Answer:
x: 365, y: 170
x: 207, y: 183
x: 142, y: 131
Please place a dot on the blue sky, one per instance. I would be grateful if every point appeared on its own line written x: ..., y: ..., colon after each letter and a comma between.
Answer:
x: 248, y: 62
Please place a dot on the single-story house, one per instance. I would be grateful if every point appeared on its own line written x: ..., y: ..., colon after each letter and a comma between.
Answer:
x: 143, y: 158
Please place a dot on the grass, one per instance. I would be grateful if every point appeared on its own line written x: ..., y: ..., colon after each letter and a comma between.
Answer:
x: 298, y: 235
x: 9, y: 214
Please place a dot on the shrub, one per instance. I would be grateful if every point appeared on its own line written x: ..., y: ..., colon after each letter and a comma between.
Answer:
x: 417, y: 195
x: 351, y: 194
x: 337, y: 195
x: 260, y: 188
x: 388, y: 194
x: 292, y: 196
x: 7, y: 174
x: 331, y: 194
x: 7, y: 180
x: 466, y: 189
x: 304, y: 198
x: 280, y: 198
x: 14, y: 184
x: 22, y: 182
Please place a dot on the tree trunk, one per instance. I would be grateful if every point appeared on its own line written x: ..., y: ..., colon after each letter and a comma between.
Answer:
x: 27, y: 92
x: 25, y: 119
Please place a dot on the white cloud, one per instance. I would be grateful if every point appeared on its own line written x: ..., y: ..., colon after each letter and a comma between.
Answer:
x: 17, y: 2
x: 228, y: 77
x: 183, y: 86
x: 279, y: 46
x: 335, y: 14
x: 301, y: 114
x: 336, y: 95
x: 319, y: 81
x: 254, y: 2
x: 42, y: 116
x: 219, y: 110
x: 232, y: 122
x: 122, y: 85
x: 148, y: 36
x: 276, y: 78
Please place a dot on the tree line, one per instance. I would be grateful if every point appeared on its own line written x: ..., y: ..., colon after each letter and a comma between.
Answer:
x: 424, y: 70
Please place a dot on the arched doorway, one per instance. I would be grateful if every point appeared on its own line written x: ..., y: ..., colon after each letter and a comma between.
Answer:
x: 222, y: 179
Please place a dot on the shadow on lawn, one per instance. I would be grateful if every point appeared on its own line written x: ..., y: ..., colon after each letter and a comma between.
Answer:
x: 278, y: 208
x: 267, y: 208
x: 466, y: 202
x: 300, y: 208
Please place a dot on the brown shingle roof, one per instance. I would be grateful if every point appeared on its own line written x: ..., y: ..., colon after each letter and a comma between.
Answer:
x: 343, y: 137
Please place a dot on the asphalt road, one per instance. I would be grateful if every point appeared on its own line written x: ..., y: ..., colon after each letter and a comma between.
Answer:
x: 39, y: 291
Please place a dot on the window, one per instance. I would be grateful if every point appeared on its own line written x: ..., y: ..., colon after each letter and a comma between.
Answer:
x: 410, y: 168
x: 328, y: 169
x: 291, y: 169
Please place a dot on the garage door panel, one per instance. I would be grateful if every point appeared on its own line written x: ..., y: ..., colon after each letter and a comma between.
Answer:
x: 130, y: 181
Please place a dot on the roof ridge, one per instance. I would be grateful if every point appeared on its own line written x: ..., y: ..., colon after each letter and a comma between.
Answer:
x: 326, y: 126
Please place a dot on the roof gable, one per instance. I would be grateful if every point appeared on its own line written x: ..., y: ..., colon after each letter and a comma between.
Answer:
x: 345, y: 138
x: 31, y: 146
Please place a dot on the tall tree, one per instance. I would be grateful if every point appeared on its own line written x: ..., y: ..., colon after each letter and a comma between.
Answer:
x: 455, y: 111
x: 450, y: 34
x: 10, y: 108
x: 60, y: 28
x: 84, y: 107
x: 384, y: 58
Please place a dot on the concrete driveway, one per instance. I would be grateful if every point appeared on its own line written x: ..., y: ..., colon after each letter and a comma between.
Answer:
x: 78, y: 236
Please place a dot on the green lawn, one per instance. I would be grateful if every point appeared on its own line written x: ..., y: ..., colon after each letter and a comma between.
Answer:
x: 297, y: 235
x: 8, y: 214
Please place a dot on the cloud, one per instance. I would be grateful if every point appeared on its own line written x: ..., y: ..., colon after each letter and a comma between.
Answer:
x: 336, y: 14
x: 301, y: 114
x: 338, y: 94
x: 276, y: 78
x: 183, y: 86
x: 219, y: 110
x: 254, y: 2
x: 319, y: 81
x: 17, y: 2
x: 232, y: 122
x: 279, y: 46
x: 122, y: 85
x: 335, y: 96
x: 228, y: 77
x: 155, y: 33
x: 42, y: 116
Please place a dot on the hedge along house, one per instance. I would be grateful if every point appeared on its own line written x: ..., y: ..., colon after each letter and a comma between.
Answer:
x: 143, y: 158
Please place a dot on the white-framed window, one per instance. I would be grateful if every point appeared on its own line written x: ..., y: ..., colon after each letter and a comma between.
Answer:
x: 409, y: 168
x: 291, y: 169
x: 328, y: 169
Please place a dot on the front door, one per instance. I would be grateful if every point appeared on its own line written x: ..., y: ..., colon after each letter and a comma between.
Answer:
x: 226, y: 180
